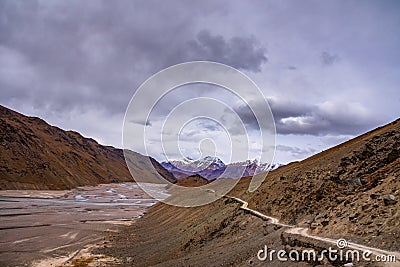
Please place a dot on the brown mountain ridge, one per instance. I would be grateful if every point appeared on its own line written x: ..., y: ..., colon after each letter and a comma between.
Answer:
x: 36, y: 155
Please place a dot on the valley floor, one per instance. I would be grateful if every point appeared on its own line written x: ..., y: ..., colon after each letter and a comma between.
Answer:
x: 52, y: 227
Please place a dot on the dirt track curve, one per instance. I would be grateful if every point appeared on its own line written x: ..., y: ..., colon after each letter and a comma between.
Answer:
x: 304, y: 232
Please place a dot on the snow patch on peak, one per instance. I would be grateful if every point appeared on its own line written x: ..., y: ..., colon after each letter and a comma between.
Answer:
x: 210, y: 159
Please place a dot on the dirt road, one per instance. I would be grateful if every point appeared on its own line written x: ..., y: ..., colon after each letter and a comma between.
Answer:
x: 301, y: 231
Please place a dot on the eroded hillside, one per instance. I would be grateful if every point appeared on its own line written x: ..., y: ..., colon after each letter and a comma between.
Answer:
x: 36, y: 155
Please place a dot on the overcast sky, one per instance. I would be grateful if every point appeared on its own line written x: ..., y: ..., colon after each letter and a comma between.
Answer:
x: 329, y: 69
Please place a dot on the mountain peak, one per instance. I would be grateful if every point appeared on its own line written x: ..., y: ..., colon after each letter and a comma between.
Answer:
x: 210, y: 160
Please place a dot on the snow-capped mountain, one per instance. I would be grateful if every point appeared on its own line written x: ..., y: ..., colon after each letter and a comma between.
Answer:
x: 188, y: 164
x: 213, y: 168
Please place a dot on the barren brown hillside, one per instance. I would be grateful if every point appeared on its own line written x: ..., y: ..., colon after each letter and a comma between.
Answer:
x: 193, y: 181
x: 36, y: 155
x: 342, y: 191
x: 350, y: 191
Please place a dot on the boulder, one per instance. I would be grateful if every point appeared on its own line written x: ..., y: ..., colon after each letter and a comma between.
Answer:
x: 390, y: 200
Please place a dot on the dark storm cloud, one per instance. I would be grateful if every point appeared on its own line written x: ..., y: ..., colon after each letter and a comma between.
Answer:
x: 63, y: 55
x: 320, y: 123
x: 280, y: 110
x: 284, y: 109
x: 322, y: 119
x: 238, y: 52
x: 247, y: 116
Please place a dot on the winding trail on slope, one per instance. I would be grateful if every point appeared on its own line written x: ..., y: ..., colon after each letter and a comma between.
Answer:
x: 304, y: 232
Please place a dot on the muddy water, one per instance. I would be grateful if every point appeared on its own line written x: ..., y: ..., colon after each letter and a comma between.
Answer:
x: 46, y: 224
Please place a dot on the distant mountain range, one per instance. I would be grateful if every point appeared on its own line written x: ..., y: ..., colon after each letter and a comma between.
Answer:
x: 212, y: 168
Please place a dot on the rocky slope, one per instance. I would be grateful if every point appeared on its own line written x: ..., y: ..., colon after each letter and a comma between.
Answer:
x: 351, y: 191
x: 36, y: 155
